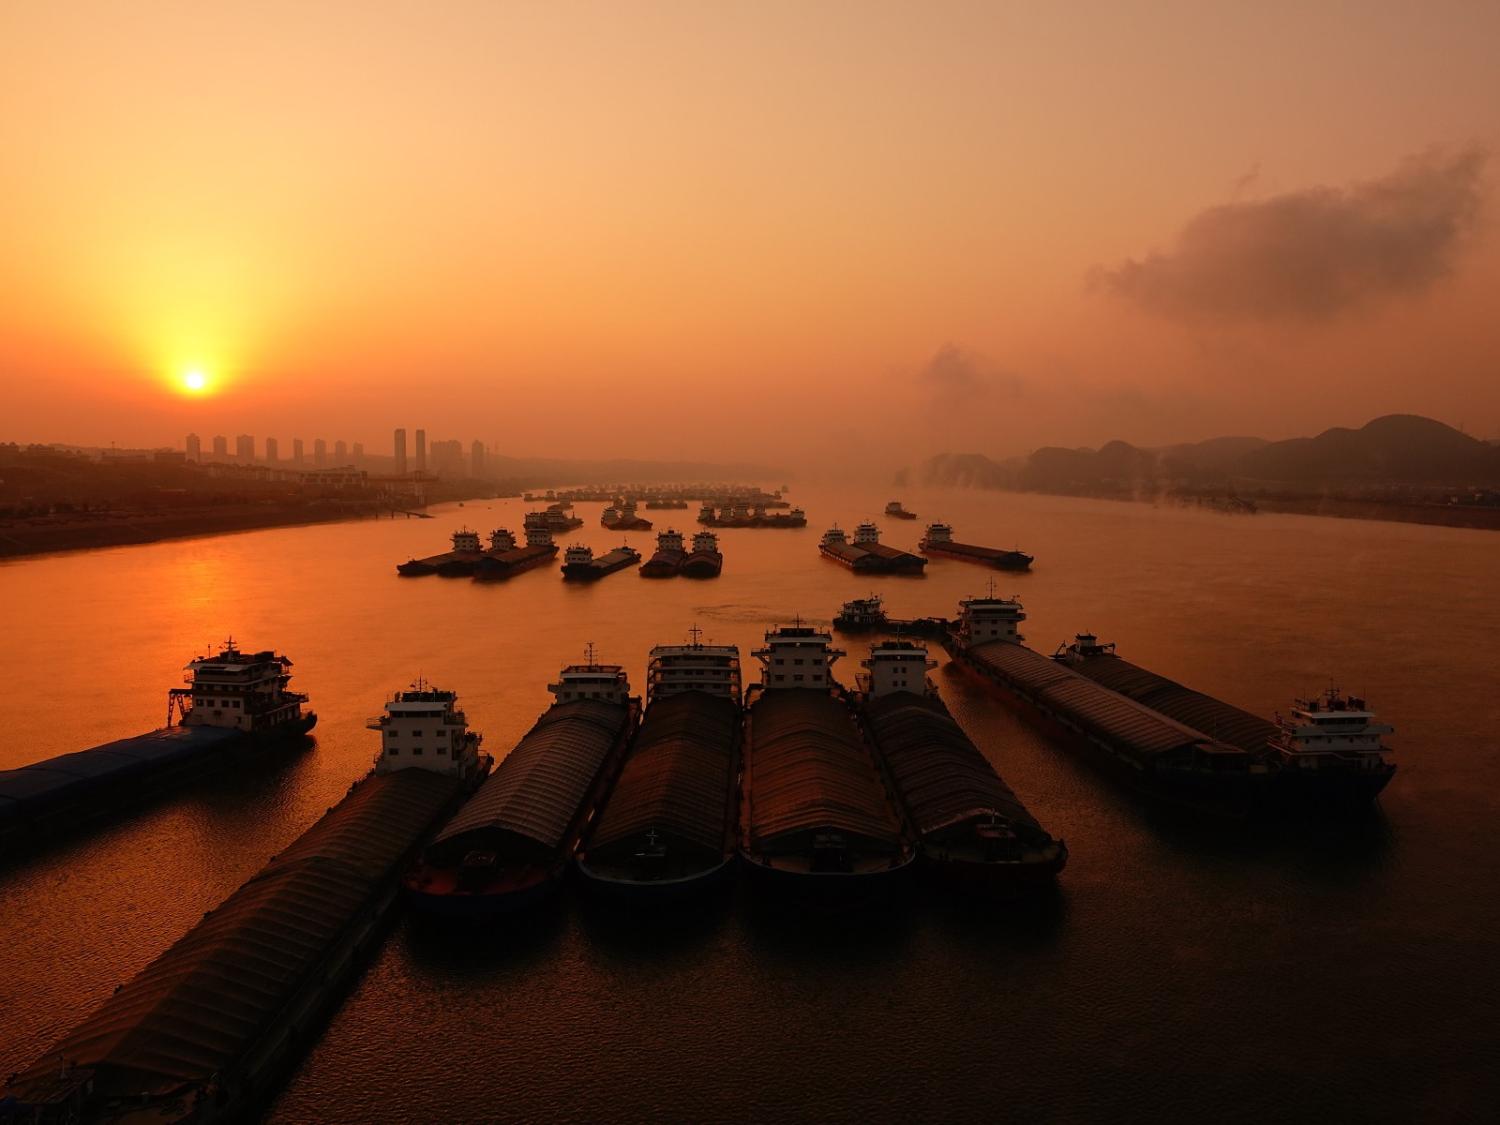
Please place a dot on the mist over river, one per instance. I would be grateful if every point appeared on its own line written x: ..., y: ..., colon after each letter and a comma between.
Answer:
x: 1334, y: 971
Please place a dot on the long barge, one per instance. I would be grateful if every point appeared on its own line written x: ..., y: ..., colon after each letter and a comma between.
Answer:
x: 867, y: 555
x: 457, y: 563
x: 939, y: 541
x: 868, y: 615
x: 666, y: 561
x: 1156, y: 755
x: 205, y: 1032
x: 505, y: 559
x: 580, y: 565
x: 973, y: 833
x: 1327, y: 751
x: 669, y: 829
x: 816, y: 823
x: 742, y: 516
x: 509, y: 845
x: 234, y: 706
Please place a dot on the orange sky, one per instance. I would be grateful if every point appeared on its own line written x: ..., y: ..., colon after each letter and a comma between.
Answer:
x: 746, y: 230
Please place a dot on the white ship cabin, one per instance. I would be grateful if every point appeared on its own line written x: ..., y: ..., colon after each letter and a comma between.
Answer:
x: 611, y: 515
x: 538, y: 536
x: 896, y: 666
x: 579, y: 555
x: 706, y: 512
x: 628, y: 509
x: 1084, y: 646
x: 674, y: 669
x: 502, y: 540
x: 866, y: 534
x: 535, y: 519
x: 834, y: 537
x: 591, y: 680
x: 466, y: 540
x: 939, y: 533
x: 423, y: 728
x: 894, y: 508
x: 238, y: 690
x: 797, y: 514
x: 863, y: 611
x: 982, y: 620
x: 705, y: 542
x: 671, y: 540
x: 797, y: 656
x: 1332, y: 730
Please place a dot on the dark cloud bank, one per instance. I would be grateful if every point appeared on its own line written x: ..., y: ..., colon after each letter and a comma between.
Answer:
x: 957, y: 374
x: 1311, y: 255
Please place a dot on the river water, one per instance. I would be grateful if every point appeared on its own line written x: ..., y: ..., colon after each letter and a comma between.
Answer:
x: 1331, y: 971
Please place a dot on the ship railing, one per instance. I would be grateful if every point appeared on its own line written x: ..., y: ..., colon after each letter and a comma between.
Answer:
x: 376, y: 722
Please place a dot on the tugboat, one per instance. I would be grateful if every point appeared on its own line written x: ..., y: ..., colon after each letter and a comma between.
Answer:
x: 704, y: 561
x: 974, y: 835
x: 501, y: 562
x: 579, y: 564
x: 667, y: 560
x: 668, y: 831
x: 816, y: 822
x: 1329, y: 751
x: 896, y: 511
x: 939, y: 541
x: 861, y: 615
x: 557, y: 519
x: 510, y: 844
x: 465, y: 554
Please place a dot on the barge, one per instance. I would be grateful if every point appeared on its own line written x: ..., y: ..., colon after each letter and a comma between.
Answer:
x: 668, y: 557
x: 1157, y: 756
x: 233, y: 706
x: 756, y: 516
x: 867, y: 615
x: 504, y: 559
x: 816, y: 822
x: 897, y: 512
x: 867, y: 554
x: 668, y: 831
x: 580, y: 565
x: 206, y: 1030
x: 1327, y: 752
x: 974, y: 835
x: 509, y: 845
x: 624, y: 518
x: 705, y: 559
x: 939, y: 541
x: 452, y: 564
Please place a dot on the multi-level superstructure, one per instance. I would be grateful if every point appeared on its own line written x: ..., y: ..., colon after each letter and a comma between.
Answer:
x: 867, y: 555
x: 668, y: 558
x: 705, y: 559
x: 423, y: 727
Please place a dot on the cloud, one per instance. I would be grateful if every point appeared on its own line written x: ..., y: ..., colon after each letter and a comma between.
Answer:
x: 1313, y: 255
x: 956, y: 374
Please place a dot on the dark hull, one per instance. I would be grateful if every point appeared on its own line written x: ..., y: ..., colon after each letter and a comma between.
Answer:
x: 663, y: 564
x: 825, y: 890
x: 509, y: 897
x: 1298, y: 790
x: 495, y: 568
x: 460, y: 564
x: 1000, y: 880
x: 627, y: 525
x: 902, y: 515
x: 597, y: 569
x: 703, y: 566
x: 416, y: 568
x: 862, y: 561
x: 624, y: 891
x: 984, y: 556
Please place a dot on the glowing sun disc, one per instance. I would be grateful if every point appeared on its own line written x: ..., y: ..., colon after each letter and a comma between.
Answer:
x: 194, y: 380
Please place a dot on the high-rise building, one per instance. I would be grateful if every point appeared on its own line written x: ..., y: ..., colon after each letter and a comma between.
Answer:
x: 297, y: 458
x: 244, y: 449
x: 221, y: 448
x: 273, y: 451
x: 476, y: 459
x: 400, y: 452
x: 358, y: 453
x: 421, y: 451
x: 448, y: 458
x: 341, y: 453
x: 320, y: 453
x: 194, y: 448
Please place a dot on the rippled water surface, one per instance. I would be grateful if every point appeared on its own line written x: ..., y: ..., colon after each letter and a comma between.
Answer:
x: 1327, y: 972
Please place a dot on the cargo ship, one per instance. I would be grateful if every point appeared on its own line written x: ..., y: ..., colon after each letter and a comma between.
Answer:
x: 704, y: 560
x: 654, y: 505
x: 1157, y: 756
x: 624, y: 518
x: 896, y: 511
x: 669, y: 830
x: 867, y: 554
x: 206, y: 1030
x: 505, y: 559
x: 459, y: 561
x: 509, y: 845
x: 1327, y: 753
x: 580, y: 565
x: 668, y: 558
x: 756, y: 516
x: 816, y: 822
x: 939, y: 541
x: 868, y: 615
x: 974, y: 835
x: 234, y: 705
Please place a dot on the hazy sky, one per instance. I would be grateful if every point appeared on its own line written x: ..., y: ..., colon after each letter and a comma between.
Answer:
x: 746, y: 230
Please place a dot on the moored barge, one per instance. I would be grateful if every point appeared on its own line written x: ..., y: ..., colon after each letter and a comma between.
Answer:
x: 669, y: 827
x: 505, y: 559
x: 867, y: 554
x: 580, y: 565
x: 816, y: 822
x: 624, y: 518
x: 704, y: 560
x: 667, y: 560
x: 234, y: 705
x: 973, y: 833
x: 204, y: 1032
x: 896, y: 511
x: 509, y: 845
x: 939, y: 541
x: 456, y: 563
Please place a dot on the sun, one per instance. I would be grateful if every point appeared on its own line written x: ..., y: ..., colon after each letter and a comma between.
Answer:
x: 194, y: 381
